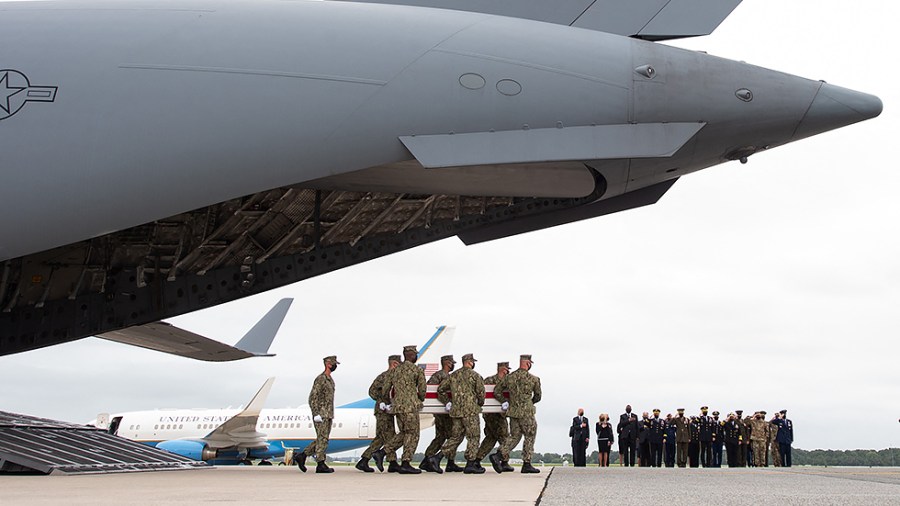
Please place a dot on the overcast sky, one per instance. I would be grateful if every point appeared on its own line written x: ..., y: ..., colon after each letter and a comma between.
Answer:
x: 769, y: 285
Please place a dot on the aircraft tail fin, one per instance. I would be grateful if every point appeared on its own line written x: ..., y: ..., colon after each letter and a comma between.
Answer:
x: 644, y: 19
x: 240, y: 430
x: 167, y: 338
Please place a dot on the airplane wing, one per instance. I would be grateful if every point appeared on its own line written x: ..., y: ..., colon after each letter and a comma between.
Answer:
x: 168, y: 338
x: 644, y: 19
x: 240, y: 430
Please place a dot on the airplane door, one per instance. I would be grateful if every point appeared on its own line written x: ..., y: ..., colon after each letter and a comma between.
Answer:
x: 102, y: 421
x: 364, y: 426
x: 114, y: 425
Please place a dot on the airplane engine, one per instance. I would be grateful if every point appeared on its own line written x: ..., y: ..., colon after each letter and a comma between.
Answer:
x: 191, y: 449
x: 271, y: 451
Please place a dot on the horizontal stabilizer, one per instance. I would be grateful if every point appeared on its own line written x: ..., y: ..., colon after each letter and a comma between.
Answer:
x: 600, y: 142
x: 630, y: 200
x: 167, y: 338
x: 645, y: 19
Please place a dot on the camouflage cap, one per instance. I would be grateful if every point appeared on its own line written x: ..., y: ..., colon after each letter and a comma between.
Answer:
x: 331, y: 358
x: 469, y: 356
x: 525, y: 357
x: 394, y: 358
x: 410, y: 349
x: 448, y: 358
x: 500, y: 365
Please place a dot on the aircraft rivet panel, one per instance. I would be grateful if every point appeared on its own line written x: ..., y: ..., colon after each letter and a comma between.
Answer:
x: 471, y: 81
x: 509, y: 87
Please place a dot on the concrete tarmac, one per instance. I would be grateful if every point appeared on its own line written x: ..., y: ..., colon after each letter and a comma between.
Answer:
x: 565, y: 485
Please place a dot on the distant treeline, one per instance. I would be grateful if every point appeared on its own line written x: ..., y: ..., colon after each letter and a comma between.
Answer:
x: 865, y: 458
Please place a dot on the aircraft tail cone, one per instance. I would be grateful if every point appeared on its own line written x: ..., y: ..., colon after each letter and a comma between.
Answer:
x: 836, y: 107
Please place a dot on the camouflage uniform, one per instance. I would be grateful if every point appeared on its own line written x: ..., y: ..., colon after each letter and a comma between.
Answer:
x: 407, y: 382
x: 443, y: 425
x: 467, y: 389
x: 321, y: 402
x: 776, y: 451
x: 384, y: 422
x: 759, y: 436
x: 496, y: 427
x: 524, y: 392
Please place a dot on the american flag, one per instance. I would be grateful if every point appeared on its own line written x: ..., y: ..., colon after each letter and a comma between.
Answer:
x: 429, y: 369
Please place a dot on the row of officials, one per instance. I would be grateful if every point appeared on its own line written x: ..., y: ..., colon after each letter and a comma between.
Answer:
x: 399, y: 394
x: 680, y: 440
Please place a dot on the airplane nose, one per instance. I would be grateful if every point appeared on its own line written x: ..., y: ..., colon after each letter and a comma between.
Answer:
x: 835, y: 107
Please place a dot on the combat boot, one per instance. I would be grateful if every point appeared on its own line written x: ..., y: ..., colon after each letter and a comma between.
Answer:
x: 426, y: 464
x: 363, y: 465
x: 506, y: 467
x: 379, y: 459
x: 300, y: 460
x: 436, y: 463
x: 479, y: 466
x: 496, y: 462
x: 472, y: 468
x: 405, y: 468
x: 393, y: 467
x: 452, y: 467
x: 527, y: 468
x: 322, y: 468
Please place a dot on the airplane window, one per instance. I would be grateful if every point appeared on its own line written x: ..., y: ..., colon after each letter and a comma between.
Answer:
x: 279, y: 426
x: 131, y: 427
x: 310, y: 426
x: 168, y: 426
x: 180, y: 426
x: 137, y: 428
x: 341, y: 424
x: 155, y: 427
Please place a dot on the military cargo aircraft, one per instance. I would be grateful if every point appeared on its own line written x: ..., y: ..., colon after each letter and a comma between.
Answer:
x: 160, y: 157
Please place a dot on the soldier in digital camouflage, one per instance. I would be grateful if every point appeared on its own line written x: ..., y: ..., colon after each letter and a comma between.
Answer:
x: 321, y: 405
x: 443, y: 425
x: 463, y: 394
x: 496, y: 426
x: 524, y: 391
x: 407, y: 382
x: 384, y: 421
x: 759, y: 437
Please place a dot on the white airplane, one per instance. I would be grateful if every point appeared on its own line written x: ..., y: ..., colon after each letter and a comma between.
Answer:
x: 233, y: 436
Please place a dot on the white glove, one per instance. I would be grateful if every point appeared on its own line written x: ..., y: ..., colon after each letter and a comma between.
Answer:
x: 317, y: 419
x: 505, y: 406
x: 389, y: 407
x: 382, y: 406
x: 448, y: 407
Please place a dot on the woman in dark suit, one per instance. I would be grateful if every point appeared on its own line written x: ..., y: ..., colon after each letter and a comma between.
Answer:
x: 605, y: 439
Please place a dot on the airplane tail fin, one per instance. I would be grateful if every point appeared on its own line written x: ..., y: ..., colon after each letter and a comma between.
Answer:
x: 241, y: 428
x: 260, y: 337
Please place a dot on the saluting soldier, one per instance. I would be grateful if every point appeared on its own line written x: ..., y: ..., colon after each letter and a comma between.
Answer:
x: 466, y: 387
x: 718, y: 439
x: 321, y: 405
x: 682, y: 437
x: 743, y: 439
x: 759, y: 436
x: 384, y: 420
x: 407, y: 382
x: 496, y: 426
x: 443, y: 425
x: 732, y: 436
x: 706, y: 437
x: 669, y: 439
x: 524, y: 392
x: 785, y: 438
x: 657, y: 434
x: 694, y: 445
x: 772, y: 442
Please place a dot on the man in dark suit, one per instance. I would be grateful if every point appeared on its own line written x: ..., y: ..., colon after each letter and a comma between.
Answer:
x: 628, y: 432
x: 644, y: 441
x: 581, y: 436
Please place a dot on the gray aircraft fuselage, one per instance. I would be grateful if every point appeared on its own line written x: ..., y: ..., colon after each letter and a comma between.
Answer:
x: 162, y: 157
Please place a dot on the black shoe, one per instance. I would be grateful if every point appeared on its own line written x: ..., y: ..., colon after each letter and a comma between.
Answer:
x: 479, y: 466
x: 506, y: 467
x: 405, y: 468
x: 393, y: 467
x: 436, y: 463
x: 495, y: 462
x: 472, y: 468
x: 300, y: 460
x: 527, y: 468
x: 363, y: 465
x: 322, y: 468
x: 452, y: 467
x: 426, y: 465
x: 379, y: 459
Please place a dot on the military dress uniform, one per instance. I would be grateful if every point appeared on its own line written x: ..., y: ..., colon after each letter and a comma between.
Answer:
x: 466, y: 388
x: 706, y: 437
x: 682, y: 437
x: 321, y: 405
x: 496, y: 426
x: 694, y: 445
x: 657, y: 434
x: 669, y: 438
x: 732, y: 437
x: 524, y: 391
x: 718, y: 439
x: 743, y: 449
x: 443, y: 425
x: 407, y: 382
x: 785, y: 438
x: 384, y: 422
